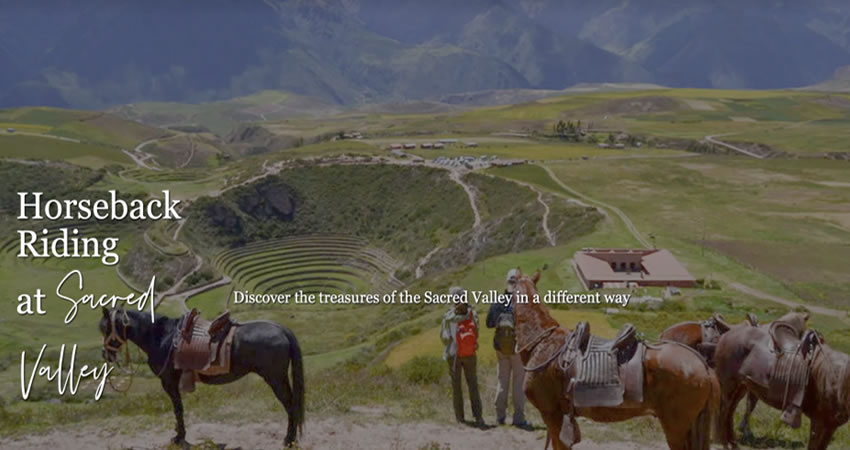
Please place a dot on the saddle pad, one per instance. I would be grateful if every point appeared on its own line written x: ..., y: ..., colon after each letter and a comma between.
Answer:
x: 194, y: 355
x: 221, y: 359
x: 602, y: 380
x: 597, y: 381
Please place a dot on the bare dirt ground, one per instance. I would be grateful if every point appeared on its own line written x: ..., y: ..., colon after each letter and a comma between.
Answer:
x: 326, y: 434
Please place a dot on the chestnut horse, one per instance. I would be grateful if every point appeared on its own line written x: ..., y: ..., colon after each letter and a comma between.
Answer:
x: 679, y: 388
x: 827, y: 395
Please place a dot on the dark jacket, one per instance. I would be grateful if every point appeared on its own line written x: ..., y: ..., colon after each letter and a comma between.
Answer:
x: 496, y: 310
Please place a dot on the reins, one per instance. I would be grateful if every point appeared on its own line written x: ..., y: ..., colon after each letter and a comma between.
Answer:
x: 122, y: 342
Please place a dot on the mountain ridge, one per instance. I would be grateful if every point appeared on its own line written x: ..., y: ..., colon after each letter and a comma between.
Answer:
x: 98, y: 54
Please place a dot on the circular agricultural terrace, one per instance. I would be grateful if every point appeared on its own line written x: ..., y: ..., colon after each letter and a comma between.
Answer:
x: 310, y: 263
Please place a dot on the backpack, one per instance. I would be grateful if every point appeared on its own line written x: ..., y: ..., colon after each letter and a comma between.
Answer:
x: 466, y: 340
x: 505, y: 334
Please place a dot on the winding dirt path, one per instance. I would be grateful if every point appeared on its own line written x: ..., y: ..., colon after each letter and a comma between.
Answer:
x: 549, y: 235
x: 456, y: 176
x: 628, y: 222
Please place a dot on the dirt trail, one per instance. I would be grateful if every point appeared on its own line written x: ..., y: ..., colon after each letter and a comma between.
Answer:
x: 325, y: 434
x: 191, y: 152
x: 628, y: 222
x: 549, y: 236
x: 784, y: 301
x: 456, y: 177
x: 730, y: 146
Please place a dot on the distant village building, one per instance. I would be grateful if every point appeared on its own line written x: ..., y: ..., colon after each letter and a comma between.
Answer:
x: 619, y: 145
x: 472, y: 144
x: 439, y: 145
x: 10, y: 130
x: 448, y: 141
x: 427, y: 145
x: 395, y: 146
x: 604, y: 145
x: 410, y: 146
x: 623, y: 268
x: 507, y: 162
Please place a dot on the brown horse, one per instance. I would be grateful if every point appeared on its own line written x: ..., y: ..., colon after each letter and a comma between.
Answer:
x: 678, y: 386
x: 693, y: 334
x: 703, y: 336
x: 746, y: 358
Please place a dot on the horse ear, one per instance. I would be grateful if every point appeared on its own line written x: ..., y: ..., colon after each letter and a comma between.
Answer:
x: 519, y: 271
x: 535, y: 277
x: 105, y: 312
x: 806, y: 317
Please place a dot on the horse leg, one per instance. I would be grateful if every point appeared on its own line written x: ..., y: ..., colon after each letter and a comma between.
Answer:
x: 752, y: 401
x: 553, y: 429
x: 731, y: 394
x: 172, y: 388
x: 820, y: 435
x: 280, y: 385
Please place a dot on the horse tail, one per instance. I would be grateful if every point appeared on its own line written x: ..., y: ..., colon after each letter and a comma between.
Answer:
x: 699, y: 436
x: 297, y: 381
x: 716, y: 394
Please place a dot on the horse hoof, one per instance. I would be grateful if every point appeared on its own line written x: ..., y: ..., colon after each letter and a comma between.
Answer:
x: 180, y: 441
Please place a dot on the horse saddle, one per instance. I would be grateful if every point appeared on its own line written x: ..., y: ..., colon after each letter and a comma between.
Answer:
x: 604, y: 372
x: 789, y: 375
x: 203, y: 345
x: 752, y: 320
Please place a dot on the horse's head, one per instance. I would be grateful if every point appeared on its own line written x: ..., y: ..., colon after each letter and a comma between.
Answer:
x: 532, y: 318
x: 797, y: 320
x: 114, y: 326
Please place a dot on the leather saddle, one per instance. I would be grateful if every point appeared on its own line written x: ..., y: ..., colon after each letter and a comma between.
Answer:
x: 203, y: 346
x: 789, y: 375
x: 604, y: 372
x: 712, y: 329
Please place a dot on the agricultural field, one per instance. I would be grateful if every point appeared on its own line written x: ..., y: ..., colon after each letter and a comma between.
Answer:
x: 17, y: 146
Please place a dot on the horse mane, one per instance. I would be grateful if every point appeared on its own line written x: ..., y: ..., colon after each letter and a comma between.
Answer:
x: 831, y: 371
x: 532, y: 319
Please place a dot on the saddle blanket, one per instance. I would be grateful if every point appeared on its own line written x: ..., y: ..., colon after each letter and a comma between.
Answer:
x: 604, y: 379
x: 204, y: 356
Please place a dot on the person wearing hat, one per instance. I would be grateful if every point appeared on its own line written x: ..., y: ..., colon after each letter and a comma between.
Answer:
x: 510, y: 370
x: 459, y: 333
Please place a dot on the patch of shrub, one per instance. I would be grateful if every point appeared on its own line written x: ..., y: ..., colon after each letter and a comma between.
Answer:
x: 424, y: 369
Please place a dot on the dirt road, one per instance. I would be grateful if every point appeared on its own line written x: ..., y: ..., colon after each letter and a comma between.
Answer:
x: 325, y: 434
x: 628, y: 222
x: 730, y: 146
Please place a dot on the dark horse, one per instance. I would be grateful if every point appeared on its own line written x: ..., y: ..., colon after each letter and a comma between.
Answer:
x: 744, y: 361
x: 678, y: 386
x: 261, y: 347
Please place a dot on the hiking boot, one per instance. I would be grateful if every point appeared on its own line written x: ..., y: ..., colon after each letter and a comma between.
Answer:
x: 479, y: 422
x: 523, y: 425
x: 501, y: 421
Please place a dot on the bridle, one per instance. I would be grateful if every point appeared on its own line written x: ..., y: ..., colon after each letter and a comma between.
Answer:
x: 113, y: 335
x: 113, y: 343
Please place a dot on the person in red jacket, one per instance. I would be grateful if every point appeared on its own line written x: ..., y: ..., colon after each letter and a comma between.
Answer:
x: 459, y: 333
